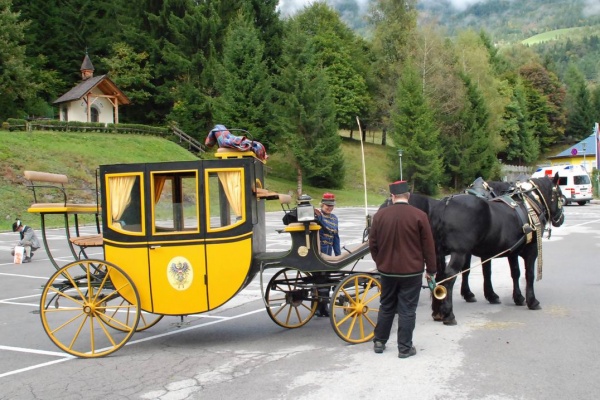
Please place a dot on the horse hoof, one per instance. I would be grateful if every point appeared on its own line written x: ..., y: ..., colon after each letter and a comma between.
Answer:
x: 535, y: 306
x: 471, y: 299
x: 436, y: 317
x: 450, y: 323
x: 520, y: 302
x: 494, y: 301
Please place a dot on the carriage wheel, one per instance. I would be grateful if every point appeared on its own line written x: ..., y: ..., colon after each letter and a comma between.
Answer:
x: 291, y: 301
x: 147, y: 320
x: 81, y: 304
x: 354, y: 308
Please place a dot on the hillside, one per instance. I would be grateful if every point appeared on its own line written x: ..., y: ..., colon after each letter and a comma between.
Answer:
x: 78, y: 156
x: 510, y: 21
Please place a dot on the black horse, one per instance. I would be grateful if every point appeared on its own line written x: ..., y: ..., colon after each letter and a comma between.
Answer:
x: 488, y: 190
x: 466, y: 225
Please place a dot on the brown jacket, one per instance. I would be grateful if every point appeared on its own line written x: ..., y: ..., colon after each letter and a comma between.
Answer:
x: 400, y: 241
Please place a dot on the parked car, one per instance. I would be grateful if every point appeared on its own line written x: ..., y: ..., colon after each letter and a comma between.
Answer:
x: 574, y: 182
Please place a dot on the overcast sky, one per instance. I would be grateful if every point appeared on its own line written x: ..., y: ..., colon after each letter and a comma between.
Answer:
x: 291, y: 6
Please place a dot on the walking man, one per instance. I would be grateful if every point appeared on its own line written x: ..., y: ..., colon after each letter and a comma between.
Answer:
x: 401, y: 244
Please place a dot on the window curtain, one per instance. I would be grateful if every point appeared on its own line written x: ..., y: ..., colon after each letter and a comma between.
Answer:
x: 232, y: 185
x: 159, y: 184
x: 120, y: 195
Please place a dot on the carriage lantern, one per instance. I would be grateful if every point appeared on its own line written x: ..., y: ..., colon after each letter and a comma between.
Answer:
x: 305, y: 211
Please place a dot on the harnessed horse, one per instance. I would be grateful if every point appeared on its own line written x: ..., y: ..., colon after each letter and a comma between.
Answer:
x: 488, y: 190
x: 466, y: 225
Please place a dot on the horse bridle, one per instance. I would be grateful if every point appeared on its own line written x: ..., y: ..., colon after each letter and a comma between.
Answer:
x: 535, y: 198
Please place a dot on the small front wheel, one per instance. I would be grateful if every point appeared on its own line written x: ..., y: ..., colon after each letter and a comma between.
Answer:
x: 354, y: 307
x: 291, y: 298
x: 90, y: 308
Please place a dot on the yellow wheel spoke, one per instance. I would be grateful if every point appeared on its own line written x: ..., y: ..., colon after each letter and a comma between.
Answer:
x: 63, y: 294
x: 58, y: 328
x: 78, y: 332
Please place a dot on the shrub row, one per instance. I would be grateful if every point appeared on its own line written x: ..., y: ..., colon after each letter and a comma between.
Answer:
x: 14, y: 124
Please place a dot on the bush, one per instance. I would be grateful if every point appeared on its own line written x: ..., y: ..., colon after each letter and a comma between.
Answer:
x: 13, y: 124
x: 16, y: 124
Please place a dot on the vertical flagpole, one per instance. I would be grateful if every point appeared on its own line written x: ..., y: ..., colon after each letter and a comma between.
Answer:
x: 362, y: 150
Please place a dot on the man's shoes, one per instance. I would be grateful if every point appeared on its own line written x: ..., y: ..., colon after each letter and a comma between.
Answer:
x: 378, y: 347
x: 322, y: 310
x: 405, y: 354
x: 26, y: 260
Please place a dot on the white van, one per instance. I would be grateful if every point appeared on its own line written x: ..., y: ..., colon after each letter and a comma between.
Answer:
x: 574, y: 182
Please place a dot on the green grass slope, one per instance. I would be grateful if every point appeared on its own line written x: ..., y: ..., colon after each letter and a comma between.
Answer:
x: 78, y: 155
x: 576, y: 33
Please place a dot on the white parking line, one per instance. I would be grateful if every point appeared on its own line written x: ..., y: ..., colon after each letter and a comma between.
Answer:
x: 19, y: 304
x: 47, y: 364
x: 67, y: 357
x: 23, y: 276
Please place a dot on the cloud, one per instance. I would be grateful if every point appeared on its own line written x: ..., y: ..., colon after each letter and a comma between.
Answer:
x: 591, y: 7
x: 289, y: 7
x: 462, y: 5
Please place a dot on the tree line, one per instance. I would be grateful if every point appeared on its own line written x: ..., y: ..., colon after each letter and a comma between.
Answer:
x: 455, y: 105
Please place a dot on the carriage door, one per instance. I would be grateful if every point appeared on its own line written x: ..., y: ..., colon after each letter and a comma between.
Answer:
x: 176, y: 247
x: 228, y: 228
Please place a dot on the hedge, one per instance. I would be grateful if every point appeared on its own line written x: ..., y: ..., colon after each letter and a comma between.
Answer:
x: 14, y: 124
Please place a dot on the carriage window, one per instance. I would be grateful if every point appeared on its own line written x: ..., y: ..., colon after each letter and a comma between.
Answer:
x: 125, y: 203
x: 175, y: 202
x: 225, y: 197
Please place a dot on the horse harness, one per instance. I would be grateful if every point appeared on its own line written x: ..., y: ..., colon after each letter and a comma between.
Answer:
x: 529, y: 210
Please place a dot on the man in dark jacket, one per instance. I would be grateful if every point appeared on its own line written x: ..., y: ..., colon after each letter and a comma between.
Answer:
x: 401, y: 243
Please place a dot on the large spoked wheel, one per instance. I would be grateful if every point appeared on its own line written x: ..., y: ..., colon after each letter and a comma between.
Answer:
x: 82, y: 305
x: 291, y: 298
x: 147, y: 320
x: 354, y: 308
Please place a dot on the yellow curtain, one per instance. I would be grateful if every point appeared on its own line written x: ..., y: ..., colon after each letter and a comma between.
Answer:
x: 159, y: 184
x: 232, y: 184
x: 120, y: 195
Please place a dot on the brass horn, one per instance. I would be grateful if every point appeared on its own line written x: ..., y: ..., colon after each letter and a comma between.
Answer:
x: 438, y: 291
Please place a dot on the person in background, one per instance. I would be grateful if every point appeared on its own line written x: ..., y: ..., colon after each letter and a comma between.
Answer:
x: 328, y: 234
x: 329, y: 240
x: 28, y: 240
x: 401, y: 244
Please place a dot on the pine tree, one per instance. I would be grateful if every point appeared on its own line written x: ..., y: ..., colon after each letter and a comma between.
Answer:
x: 335, y: 47
x: 580, y: 112
x: 15, y: 75
x: 521, y: 145
x: 307, y: 114
x: 414, y: 131
x: 244, y: 86
x: 538, y: 110
x: 393, y: 23
x: 478, y: 155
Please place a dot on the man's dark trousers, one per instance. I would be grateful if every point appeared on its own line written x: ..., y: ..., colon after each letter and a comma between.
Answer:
x: 399, y: 295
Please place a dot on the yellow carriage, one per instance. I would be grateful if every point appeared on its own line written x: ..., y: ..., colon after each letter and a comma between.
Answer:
x: 181, y: 238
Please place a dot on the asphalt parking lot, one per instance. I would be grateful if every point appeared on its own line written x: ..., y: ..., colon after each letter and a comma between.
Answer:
x: 495, y: 351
